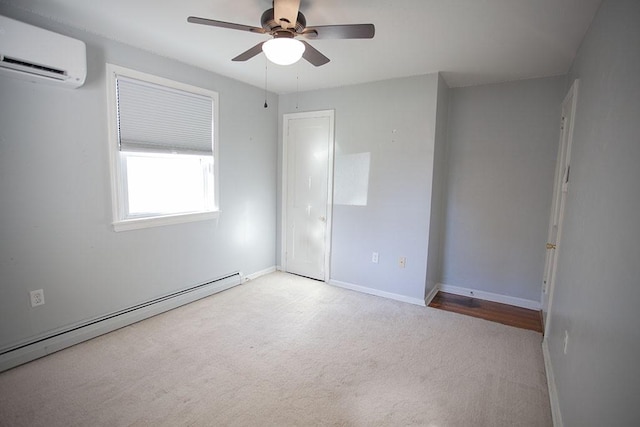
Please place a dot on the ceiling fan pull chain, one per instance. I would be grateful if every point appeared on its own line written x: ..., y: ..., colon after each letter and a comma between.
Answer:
x: 266, y: 63
x: 297, y: 85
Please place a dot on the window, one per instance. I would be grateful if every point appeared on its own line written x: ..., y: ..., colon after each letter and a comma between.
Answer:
x: 163, y: 150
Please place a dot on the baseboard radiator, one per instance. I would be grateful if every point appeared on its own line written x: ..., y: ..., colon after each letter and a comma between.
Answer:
x: 59, y: 339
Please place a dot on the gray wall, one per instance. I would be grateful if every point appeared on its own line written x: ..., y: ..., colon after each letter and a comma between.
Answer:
x: 598, y: 280
x: 502, y: 142
x: 394, y: 121
x: 55, y: 209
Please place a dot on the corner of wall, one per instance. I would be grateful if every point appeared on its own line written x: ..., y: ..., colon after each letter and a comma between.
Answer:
x: 551, y: 384
x: 436, y: 222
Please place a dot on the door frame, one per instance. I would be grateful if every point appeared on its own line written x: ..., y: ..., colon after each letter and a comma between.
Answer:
x: 564, y: 157
x: 330, y: 114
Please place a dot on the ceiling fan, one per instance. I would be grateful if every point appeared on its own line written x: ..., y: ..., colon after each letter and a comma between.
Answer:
x: 284, y: 22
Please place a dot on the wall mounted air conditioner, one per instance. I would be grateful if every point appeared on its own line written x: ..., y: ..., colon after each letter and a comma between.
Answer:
x: 41, y: 56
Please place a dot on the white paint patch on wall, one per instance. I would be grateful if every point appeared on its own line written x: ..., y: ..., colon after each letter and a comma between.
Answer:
x: 352, y: 179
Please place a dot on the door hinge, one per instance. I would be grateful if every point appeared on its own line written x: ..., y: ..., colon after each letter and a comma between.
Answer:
x: 568, y: 170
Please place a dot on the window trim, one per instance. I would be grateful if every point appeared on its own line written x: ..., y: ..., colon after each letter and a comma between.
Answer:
x: 117, y: 174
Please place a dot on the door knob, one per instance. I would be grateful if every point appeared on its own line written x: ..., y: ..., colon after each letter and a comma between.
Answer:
x: 323, y: 219
x: 551, y: 246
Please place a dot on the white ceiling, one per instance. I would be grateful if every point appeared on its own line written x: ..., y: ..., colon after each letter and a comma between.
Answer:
x: 470, y: 41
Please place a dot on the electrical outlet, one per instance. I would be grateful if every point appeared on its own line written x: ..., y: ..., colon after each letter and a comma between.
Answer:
x: 566, y: 341
x: 403, y: 262
x: 374, y: 257
x: 37, y: 297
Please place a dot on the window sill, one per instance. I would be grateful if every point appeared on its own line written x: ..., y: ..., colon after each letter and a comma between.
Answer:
x: 158, y: 221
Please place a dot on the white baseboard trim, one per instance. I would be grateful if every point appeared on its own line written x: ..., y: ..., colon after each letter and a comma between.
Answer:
x: 257, y: 274
x: 431, y: 295
x: 73, y: 334
x: 488, y: 296
x: 551, y: 384
x: 372, y: 291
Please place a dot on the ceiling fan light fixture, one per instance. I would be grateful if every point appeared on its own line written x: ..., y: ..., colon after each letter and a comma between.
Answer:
x: 283, y: 50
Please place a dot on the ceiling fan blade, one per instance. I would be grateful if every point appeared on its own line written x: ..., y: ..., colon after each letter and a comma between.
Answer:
x: 222, y: 24
x: 313, y: 55
x: 352, y: 31
x: 250, y: 53
x: 285, y: 12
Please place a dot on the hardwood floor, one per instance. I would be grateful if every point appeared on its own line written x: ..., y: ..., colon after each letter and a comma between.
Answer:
x: 493, y: 311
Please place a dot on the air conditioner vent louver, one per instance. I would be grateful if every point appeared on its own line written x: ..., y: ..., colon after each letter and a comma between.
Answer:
x: 29, y: 67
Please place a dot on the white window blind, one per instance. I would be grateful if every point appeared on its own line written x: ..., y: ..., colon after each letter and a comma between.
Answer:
x: 154, y: 118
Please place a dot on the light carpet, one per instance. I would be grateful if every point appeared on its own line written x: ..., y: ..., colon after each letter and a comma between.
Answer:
x: 283, y: 350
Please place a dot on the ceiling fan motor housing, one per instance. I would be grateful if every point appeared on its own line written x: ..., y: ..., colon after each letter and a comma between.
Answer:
x: 270, y: 24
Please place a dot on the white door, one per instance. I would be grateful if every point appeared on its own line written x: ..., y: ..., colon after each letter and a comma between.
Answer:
x: 307, y: 184
x: 561, y: 186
